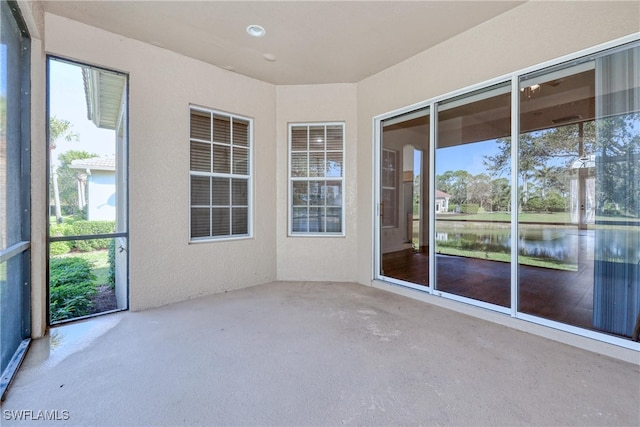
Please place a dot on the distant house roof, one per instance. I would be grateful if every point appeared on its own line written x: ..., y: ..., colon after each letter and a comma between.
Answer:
x: 103, y: 92
x: 103, y: 163
x: 442, y: 195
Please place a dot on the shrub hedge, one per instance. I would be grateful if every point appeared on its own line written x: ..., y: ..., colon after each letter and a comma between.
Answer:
x: 79, y: 228
x: 470, y: 208
x: 71, y: 282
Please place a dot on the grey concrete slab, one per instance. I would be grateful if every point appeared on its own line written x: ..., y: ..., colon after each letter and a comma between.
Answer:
x: 314, y: 354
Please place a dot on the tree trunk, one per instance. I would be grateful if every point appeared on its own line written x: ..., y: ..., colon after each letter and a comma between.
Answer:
x: 56, y: 196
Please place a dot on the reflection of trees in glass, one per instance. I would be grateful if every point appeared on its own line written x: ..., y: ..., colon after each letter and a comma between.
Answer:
x: 479, y: 190
x: 545, y: 159
x: 618, y: 166
x: 501, y: 192
x: 455, y: 184
x: 464, y: 188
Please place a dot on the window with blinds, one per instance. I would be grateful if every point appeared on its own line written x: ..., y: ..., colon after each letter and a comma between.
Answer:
x: 316, y: 179
x: 220, y: 174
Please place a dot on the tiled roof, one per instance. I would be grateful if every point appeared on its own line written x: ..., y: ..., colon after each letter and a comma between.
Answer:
x: 442, y: 194
x: 105, y: 163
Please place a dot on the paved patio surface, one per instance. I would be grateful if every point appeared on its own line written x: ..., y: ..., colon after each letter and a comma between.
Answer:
x: 309, y: 353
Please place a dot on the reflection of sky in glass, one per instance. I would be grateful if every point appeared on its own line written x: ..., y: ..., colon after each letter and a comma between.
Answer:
x: 467, y: 157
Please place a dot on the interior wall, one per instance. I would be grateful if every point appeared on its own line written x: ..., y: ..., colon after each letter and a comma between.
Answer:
x: 317, y: 258
x: 164, y: 267
x: 524, y: 36
x: 393, y: 239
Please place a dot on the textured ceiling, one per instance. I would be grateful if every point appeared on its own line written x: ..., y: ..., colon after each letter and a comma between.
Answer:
x: 312, y: 42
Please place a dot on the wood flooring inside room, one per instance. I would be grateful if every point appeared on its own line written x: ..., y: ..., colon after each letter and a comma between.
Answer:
x: 563, y: 296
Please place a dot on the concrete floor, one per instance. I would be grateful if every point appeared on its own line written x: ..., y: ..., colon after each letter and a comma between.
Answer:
x: 291, y: 353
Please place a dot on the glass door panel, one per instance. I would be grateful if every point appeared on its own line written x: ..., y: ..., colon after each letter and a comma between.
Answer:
x: 579, y: 213
x: 404, y: 195
x: 472, y: 198
x: 87, y: 186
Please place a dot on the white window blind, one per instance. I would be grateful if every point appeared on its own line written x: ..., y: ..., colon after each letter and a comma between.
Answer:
x: 316, y: 179
x: 220, y: 173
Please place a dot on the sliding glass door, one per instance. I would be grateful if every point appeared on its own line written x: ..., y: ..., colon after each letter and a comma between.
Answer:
x: 472, y: 198
x: 579, y: 163
x: 404, y: 195
x: 527, y: 195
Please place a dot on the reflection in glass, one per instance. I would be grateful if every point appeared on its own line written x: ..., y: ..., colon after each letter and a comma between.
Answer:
x: 472, y: 206
x: 404, y: 196
x: 578, y: 190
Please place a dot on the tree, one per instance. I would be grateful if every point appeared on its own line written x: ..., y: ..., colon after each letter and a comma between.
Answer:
x: 501, y: 195
x: 58, y: 129
x: 454, y: 184
x: 71, y: 182
x: 618, y: 164
x: 541, y: 149
x: 543, y: 174
x: 479, y: 189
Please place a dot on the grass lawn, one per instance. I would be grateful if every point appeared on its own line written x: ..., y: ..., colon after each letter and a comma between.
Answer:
x: 544, y: 218
x: 495, y: 256
x: 541, y: 218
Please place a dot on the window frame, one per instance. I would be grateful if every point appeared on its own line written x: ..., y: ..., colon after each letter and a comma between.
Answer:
x: 291, y: 179
x: 231, y: 176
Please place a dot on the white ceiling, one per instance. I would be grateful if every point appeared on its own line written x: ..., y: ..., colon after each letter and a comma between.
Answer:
x: 313, y: 41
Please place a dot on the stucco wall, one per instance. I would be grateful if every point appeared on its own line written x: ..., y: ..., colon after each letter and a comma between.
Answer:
x: 317, y: 258
x: 164, y: 267
x: 524, y: 36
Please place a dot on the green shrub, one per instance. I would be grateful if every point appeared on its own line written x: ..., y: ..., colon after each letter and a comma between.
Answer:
x: 111, y: 278
x: 59, y: 248
x: 59, y: 230
x: 80, y: 228
x: 535, y: 204
x: 74, y: 227
x: 72, y: 285
x: 470, y: 208
x: 554, y: 202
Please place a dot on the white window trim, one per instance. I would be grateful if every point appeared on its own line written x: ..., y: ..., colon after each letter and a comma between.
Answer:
x: 249, y: 176
x: 290, y: 179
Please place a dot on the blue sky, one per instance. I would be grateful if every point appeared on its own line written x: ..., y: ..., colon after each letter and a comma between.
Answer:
x: 67, y: 102
x: 466, y: 157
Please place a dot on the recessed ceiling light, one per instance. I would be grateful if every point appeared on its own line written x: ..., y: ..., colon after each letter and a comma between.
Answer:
x: 256, y: 30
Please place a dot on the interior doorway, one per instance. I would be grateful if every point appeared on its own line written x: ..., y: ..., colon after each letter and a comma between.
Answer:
x: 87, y: 169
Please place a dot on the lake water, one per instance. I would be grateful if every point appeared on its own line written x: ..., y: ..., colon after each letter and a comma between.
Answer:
x: 561, y: 243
